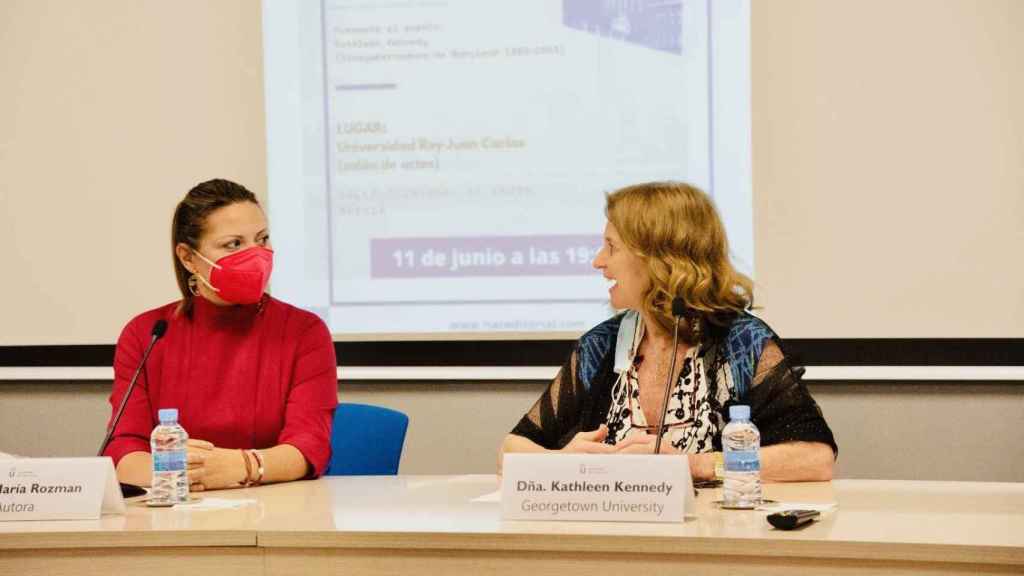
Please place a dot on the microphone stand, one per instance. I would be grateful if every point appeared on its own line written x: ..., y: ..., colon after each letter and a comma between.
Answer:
x: 129, y: 490
x: 678, y: 308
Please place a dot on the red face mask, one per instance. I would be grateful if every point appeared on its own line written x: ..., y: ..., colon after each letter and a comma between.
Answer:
x: 240, y: 278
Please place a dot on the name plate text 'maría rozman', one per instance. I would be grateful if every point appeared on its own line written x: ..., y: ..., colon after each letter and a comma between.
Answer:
x: 611, y: 487
x: 58, y: 489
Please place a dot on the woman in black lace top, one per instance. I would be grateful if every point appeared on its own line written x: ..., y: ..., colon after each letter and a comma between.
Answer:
x: 664, y: 240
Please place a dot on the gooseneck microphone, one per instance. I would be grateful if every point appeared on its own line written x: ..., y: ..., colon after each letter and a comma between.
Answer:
x: 678, y: 310
x: 159, y: 329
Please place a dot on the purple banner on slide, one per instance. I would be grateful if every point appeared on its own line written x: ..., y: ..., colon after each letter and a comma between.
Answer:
x: 656, y: 24
x: 554, y: 255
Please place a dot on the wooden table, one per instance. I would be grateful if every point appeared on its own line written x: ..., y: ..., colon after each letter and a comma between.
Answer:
x: 431, y: 524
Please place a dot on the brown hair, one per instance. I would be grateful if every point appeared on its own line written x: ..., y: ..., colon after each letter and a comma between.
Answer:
x: 190, y: 219
x: 676, y: 231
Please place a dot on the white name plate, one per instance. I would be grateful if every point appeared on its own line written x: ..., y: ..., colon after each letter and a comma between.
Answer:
x: 59, y: 489
x: 612, y: 487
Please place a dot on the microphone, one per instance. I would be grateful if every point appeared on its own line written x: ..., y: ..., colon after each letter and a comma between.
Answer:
x: 678, y: 310
x: 159, y: 329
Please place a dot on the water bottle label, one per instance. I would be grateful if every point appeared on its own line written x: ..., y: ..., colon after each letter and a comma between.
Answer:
x: 742, y: 461
x: 170, y: 461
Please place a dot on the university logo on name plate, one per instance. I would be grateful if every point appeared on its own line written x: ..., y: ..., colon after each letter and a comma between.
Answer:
x: 610, y: 487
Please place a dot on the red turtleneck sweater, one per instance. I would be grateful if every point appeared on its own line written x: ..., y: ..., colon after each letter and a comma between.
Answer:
x: 240, y: 376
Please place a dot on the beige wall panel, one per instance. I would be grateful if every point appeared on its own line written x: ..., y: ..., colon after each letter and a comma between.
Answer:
x: 111, y: 111
x: 889, y: 167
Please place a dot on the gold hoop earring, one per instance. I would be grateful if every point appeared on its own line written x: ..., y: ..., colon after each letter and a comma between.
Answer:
x: 193, y: 285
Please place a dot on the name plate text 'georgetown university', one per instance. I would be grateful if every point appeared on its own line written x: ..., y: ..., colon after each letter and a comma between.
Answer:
x: 58, y: 489
x: 612, y: 487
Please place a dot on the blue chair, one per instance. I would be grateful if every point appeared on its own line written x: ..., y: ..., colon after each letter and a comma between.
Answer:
x: 366, y: 440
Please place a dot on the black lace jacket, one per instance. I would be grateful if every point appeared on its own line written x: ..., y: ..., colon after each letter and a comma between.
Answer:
x: 781, y: 407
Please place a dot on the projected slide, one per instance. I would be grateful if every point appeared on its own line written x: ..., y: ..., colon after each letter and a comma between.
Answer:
x: 439, y: 166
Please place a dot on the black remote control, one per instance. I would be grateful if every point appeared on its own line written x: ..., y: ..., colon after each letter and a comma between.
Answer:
x: 790, y: 519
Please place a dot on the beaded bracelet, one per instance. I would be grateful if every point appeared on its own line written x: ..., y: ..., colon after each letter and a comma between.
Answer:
x: 259, y: 466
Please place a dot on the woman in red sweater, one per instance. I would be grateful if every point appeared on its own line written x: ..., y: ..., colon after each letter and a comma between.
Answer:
x: 254, y: 379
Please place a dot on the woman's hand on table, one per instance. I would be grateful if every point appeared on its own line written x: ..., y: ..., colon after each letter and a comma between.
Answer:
x: 702, y: 465
x: 639, y: 443
x: 212, y: 468
x: 590, y: 442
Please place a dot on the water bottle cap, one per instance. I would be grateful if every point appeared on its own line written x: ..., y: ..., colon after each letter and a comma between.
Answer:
x: 168, y: 414
x: 739, y: 412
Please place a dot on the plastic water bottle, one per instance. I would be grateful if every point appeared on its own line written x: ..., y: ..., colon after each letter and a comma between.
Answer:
x: 741, y: 445
x: 169, y: 446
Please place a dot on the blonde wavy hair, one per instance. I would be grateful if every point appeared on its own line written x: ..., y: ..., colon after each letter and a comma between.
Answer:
x: 674, y: 228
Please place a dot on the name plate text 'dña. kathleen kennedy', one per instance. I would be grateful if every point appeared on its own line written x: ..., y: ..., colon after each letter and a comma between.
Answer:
x: 610, y: 487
